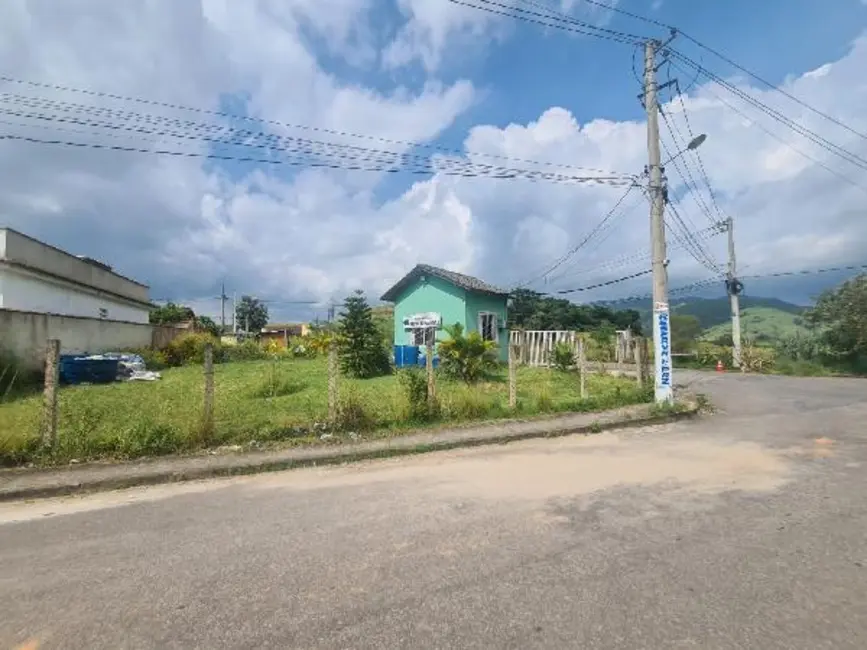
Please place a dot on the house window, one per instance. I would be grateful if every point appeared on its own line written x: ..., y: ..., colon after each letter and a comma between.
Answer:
x: 423, y: 335
x: 488, y: 326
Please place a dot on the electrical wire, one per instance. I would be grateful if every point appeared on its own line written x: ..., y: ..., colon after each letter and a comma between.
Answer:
x: 602, y: 236
x: 697, y: 154
x: 607, y: 283
x: 837, y: 150
x: 730, y: 61
x: 287, y: 125
x: 778, y: 138
x: 272, y: 143
x: 528, y: 17
x: 691, y: 183
x: 694, y: 247
x: 605, y: 219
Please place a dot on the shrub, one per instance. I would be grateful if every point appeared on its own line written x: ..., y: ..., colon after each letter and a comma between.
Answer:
x: 300, y: 348
x: 248, y: 350
x: 153, y: 359
x: 16, y: 378
x: 466, y: 356
x: 351, y: 414
x: 190, y: 348
x: 413, y: 381
x: 562, y: 356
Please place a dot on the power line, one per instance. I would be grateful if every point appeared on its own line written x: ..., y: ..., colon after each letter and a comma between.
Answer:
x: 731, y: 62
x: 528, y: 17
x: 693, y: 246
x: 607, y: 283
x: 778, y: 138
x: 299, y: 145
x: 288, y: 125
x: 641, y: 255
x: 608, y: 216
x: 602, y: 236
x: 691, y: 184
x: 777, y: 115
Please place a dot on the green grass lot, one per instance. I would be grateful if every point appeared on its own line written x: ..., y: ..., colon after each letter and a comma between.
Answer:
x: 264, y: 402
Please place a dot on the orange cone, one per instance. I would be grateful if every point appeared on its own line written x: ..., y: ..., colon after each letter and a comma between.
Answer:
x: 719, y: 366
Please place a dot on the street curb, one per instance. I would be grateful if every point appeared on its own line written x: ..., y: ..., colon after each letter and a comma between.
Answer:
x: 340, y: 456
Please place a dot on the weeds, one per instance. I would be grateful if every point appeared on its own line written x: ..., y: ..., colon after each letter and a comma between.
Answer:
x: 276, y: 401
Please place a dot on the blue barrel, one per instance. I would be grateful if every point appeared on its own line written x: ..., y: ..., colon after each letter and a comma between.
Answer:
x: 77, y: 370
x: 405, y: 355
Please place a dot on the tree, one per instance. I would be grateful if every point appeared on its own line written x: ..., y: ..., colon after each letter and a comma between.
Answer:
x: 206, y: 324
x: 171, y: 314
x: 841, y: 315
x: 251, y: 314
x: 362, y: 349
x: 685, y: 331
x: 533, y: 311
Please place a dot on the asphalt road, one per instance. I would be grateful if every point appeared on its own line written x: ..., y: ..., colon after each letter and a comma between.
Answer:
x: 745, y: 529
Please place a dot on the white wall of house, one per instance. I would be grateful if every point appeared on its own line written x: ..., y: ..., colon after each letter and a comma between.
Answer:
x: 30, y: 291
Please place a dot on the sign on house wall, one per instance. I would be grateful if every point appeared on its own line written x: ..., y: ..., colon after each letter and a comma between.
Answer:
x: 422, y: 321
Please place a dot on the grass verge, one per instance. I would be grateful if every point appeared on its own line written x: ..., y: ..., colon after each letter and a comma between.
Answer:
x: 259, y: 403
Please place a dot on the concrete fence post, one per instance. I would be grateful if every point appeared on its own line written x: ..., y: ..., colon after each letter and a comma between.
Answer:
x: 514, y: 351
x: 639, y: 362
x: 333, y: 371
x: 582, y: 367
x: 49, y: 403
x: 431, y: 381
x: 208, y: 407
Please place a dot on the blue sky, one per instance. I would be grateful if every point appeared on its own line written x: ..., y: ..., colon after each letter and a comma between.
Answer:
x: 425, y: 71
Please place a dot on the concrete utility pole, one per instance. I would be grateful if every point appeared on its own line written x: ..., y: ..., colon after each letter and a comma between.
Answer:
x: 223, y: 299
x: 734, y: 295
x: 234, y: 312
x: 663, y: 381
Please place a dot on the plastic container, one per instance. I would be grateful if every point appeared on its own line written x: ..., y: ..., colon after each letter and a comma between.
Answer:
x: 405, y: 355
x: 79, y: 370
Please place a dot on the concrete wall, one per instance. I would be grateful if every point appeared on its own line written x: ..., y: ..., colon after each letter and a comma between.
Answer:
x: 25, y: 334
x: 25, y: 290
x: 20, y: 249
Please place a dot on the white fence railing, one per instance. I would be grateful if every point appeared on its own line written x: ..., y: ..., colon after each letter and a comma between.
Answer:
x: 534, y: 346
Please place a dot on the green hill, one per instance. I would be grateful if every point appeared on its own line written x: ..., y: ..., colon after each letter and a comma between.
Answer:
x: 760, y: 324
x: 714, y: 311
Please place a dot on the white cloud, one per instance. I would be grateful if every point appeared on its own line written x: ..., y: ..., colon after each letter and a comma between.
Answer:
x: 184, y: 226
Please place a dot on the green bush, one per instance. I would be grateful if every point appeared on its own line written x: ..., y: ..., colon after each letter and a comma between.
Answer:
x: 15, y: 378
x: 562, y: 356
x: 190, y: 348
x: 467, y: 357
x: 413, y: 381
x: 248, y: 350
x: 352, y: 415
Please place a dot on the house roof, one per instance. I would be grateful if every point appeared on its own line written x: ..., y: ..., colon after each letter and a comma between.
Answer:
x: 460, y: 280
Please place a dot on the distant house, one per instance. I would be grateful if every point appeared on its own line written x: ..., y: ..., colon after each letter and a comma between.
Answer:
x: 431, y: 296
x: 282, y: 332
x: 39, y: 278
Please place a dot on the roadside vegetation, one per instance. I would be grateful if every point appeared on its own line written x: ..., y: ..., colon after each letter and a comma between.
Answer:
x: 278, y: 395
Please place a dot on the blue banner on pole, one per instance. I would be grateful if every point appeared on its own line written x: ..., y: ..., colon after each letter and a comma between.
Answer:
x: 663, y: 350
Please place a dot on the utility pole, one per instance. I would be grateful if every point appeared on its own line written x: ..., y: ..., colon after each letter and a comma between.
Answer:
x: 223, y: 299
x: 734, y: 289
x: 234, y: 312
x: 663, y: 381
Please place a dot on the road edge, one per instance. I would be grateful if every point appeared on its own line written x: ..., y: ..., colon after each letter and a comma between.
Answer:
x: 687, y: 409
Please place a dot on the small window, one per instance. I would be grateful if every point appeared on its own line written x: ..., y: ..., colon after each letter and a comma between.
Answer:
x: 423, y: 335
x: 488, y: 326
x: 103, y: 312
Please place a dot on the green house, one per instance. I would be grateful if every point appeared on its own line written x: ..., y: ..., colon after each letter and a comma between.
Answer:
x: 427, y: 298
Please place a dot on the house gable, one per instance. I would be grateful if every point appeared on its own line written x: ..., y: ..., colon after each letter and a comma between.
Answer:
x: 432, y: 294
